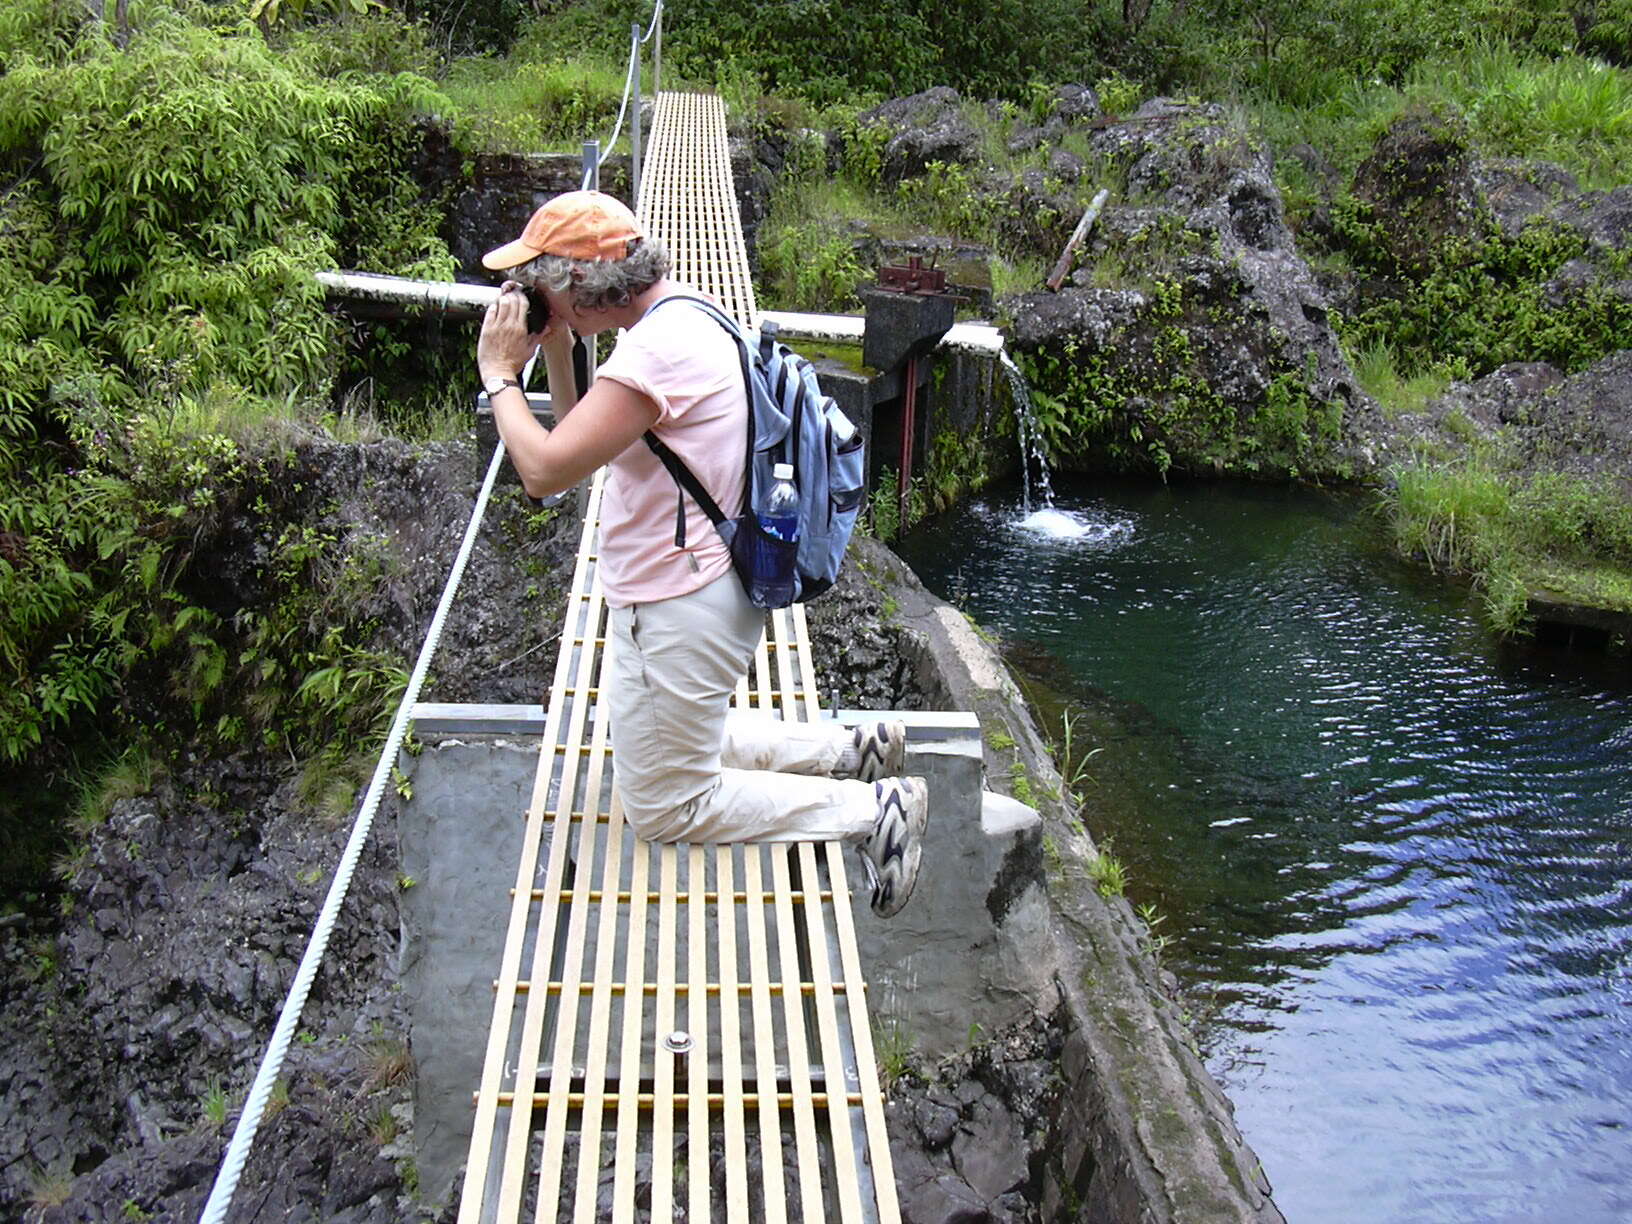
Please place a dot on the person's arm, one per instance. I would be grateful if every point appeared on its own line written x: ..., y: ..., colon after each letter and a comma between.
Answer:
x: 587, y: 435
x: 558, y: 373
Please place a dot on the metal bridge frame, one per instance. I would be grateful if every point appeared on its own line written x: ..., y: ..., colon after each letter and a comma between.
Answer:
x: 680, y: 1022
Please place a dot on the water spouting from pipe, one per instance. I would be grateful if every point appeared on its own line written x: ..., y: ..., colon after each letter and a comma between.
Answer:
x: 1030, y: 434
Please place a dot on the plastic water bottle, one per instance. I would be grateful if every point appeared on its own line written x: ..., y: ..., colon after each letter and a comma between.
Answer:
x: 780, y: 517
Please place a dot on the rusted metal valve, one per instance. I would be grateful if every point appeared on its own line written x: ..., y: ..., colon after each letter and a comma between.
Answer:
x: 912, y: 277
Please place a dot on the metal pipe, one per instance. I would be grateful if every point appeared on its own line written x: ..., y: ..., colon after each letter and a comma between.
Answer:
x: 592, y: 165
x: 909, y: 407
x: 456, y: 300
x: 1063, y: 265
x: 634, y: 125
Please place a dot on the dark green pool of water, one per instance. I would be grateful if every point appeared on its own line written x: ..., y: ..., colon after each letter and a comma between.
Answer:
x: 1395, y: 859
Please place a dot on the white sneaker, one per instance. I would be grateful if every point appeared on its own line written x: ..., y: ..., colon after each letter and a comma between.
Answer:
x: 877, y: 750
x: 892, y: 852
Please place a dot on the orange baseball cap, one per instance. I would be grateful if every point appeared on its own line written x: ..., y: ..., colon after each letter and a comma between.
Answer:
x: 577, y: 224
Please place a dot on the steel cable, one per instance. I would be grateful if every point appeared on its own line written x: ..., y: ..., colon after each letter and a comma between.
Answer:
x: 249, y: 1121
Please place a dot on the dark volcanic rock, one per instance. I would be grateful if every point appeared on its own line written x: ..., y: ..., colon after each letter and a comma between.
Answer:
x: 1518, y: 191
x: 1419, y: 184
x: 1542, y: 419
x: 1237, y: 319
x: 971, y: 1139
x: 126, y: 1025
x: 926, y: 127
x: 192, y: 907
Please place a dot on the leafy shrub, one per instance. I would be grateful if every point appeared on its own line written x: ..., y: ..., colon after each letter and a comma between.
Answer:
x: 505, y: 105
x: 809, y: 268
x: 381, y: 42
x: 1485, y: 302
x: 169, y: 202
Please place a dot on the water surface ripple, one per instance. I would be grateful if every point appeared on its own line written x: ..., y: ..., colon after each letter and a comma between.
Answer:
x: 1395, y: 859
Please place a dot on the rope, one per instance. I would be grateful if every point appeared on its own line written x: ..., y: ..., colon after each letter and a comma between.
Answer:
x: 249, y: 1121
x: 630, y: 75
x: 623, y: 106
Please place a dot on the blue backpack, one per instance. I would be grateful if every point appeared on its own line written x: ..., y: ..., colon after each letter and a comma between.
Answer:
x: 790, y: 421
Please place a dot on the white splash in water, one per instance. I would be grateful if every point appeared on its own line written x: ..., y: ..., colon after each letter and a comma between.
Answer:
x: 1072, y: 525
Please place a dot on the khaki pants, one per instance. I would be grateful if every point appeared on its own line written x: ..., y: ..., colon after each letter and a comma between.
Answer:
x: 690, y: 769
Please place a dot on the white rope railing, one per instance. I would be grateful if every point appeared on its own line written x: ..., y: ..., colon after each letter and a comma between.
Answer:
x: 629, y: 74
x: 631, y: 87
x: 260, y: 1092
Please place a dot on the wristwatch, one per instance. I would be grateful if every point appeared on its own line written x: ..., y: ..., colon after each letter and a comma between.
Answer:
x: 494, y: 385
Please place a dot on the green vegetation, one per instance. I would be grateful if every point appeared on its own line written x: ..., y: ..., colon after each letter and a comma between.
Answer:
x: 175, y: 171
x: 1110, y: 878
x: 171, y: 188
x: 522, y: 102
x: 893, y: 1048
x: 881, y: 516
x: 1513, y: 535
x: 212, y: 1104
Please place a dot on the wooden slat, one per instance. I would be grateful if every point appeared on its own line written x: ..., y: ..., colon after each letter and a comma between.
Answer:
x: 793, y: 1018
x: 770, y: 1122
x: 698, y: 1163
x: 475, y: 1189
x: 833, y: 1050
x: 551, y: 1158
x: 600, y: 1014
x: 742, y: 989
x: 663, y: 1079
x: 730, y: 996
x: 681, y: 897
x: 716, y: 1101
x: 629, y: 1059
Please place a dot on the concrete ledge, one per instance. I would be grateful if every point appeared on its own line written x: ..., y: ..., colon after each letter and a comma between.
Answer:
x: 848, y: 329
x: 1559, y: 617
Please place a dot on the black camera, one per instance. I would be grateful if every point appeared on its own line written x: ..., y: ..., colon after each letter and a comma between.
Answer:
x: 538, y: 310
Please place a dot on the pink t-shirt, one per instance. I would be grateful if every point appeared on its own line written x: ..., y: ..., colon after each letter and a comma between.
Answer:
x: 685, y: 363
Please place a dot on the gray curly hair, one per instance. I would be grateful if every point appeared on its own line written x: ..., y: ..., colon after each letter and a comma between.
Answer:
x: 599, y: 284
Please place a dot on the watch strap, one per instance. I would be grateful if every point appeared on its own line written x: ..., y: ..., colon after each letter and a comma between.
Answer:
x: 494, y: 385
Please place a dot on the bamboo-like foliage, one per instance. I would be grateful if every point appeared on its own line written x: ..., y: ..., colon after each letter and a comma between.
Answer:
x: 163, y: 206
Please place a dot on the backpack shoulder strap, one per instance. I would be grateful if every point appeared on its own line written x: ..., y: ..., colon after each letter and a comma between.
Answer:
x: 684, y: 478
x: 683, y: 475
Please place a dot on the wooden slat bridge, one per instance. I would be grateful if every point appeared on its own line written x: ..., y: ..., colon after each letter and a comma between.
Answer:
x: 678, y: 1031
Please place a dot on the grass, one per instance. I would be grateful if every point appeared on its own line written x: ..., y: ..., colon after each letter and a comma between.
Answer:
x: 516, y: 103
x: 133, y: 773
x: 1569, y: 109
x: 1019, y: 275
x: 1377, y: 369
x: 1109, y: 876
x: 1074, y: 761
x: 50, y: 1187
x: 1512, y: 535
x: 893, y: 1049
x: 212, y: 1104
x: 329, y: 788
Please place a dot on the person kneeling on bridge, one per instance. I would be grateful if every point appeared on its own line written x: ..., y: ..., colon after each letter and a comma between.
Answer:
x: 687, y: 768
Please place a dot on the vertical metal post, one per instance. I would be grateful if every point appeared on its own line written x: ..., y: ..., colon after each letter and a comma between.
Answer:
x: 634, y: 127
x: 592, y: 165
x: 657, y: 53
x: 908, y: 430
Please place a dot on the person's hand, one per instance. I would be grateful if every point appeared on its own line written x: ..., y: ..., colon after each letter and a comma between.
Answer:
x: 504, y: 345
